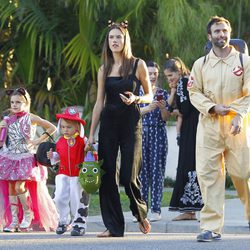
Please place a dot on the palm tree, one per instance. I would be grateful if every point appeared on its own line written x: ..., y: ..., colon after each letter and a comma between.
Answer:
x: 58, y: 42
x: 32, y: 43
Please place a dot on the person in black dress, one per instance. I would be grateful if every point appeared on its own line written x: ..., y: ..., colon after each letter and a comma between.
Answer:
x: 119, y: 81
x: 186, y: 197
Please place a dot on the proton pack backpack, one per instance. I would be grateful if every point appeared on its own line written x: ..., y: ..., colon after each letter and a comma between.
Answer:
x: 239, y: 44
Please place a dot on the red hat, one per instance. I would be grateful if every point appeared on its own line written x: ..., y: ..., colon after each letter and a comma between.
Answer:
x: 72, y: 114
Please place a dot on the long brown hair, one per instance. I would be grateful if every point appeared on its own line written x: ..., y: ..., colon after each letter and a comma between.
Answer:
x: 177, y: 65
x: 127, y: 56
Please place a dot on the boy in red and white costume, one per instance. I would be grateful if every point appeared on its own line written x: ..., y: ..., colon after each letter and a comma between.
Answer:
x: 71, y: 200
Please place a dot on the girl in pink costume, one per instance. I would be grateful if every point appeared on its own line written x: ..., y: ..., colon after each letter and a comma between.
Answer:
x: 23, y: 192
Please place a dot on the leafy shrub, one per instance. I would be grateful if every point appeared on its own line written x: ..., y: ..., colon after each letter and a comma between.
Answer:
x: 169, y: 182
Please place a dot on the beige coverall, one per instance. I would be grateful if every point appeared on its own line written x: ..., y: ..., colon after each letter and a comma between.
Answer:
x: 221, y: 81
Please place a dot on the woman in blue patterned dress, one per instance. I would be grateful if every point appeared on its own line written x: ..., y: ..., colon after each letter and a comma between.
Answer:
x: 154, y: 144
x: 186, y: 197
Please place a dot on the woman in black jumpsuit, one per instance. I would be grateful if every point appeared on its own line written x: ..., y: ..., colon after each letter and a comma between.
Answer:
x: 120, y: 128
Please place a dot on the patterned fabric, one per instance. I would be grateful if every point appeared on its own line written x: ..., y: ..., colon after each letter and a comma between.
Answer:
x: 191, y: 194
x: 180, y: 92
x: 154, y: 155
x: 154, y: 118
x: 186, y: 195
x: 17, y: 162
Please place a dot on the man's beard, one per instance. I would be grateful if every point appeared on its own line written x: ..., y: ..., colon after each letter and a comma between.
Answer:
x: 220, y: 44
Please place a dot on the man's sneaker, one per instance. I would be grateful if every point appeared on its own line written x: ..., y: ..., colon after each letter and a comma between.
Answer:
x: 155, y: 217
x: 77, y: 231
x: 61, y: 229
x: 207, y: 236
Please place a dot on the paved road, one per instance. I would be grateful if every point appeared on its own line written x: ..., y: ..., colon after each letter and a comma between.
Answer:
x: 235, y: 221
x: 136, y: 241
x: 166, y: 234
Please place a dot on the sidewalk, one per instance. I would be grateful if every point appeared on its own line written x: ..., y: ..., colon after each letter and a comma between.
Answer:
x: 235, y: 222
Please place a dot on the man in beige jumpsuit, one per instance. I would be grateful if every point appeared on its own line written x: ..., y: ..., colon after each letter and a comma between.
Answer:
x: 219, y: 88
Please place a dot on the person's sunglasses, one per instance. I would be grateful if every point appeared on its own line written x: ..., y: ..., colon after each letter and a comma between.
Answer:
x: 21, y: 91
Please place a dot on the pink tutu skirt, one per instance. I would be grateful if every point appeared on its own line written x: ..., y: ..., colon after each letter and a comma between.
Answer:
x: 19, y: 167
x: 39, y: 201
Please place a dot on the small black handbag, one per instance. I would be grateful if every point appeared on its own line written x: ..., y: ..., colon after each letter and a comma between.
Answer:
x: 43, y: 148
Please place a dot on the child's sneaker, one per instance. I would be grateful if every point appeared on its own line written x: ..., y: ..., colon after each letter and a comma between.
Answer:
x: 61, y: 229
x: 77, y: 231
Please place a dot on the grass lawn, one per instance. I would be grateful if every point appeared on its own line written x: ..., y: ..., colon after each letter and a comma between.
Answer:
x: 94, y: 208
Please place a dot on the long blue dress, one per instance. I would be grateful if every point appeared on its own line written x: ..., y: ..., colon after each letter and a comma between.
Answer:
x: 154, y: 155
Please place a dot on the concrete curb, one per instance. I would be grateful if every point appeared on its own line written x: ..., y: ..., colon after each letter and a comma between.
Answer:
x: 171, y: 227
x: 235, y: 222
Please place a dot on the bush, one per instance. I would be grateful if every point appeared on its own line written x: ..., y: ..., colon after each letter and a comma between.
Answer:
x: 229, y: 183
x: 169, y: 182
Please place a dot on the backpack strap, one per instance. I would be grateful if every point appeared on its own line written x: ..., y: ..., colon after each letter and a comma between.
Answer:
x: 204, y: 60
x: 241, y: 62
x: 241, y: 59
x: 135, y: 67
x: 240, y: 55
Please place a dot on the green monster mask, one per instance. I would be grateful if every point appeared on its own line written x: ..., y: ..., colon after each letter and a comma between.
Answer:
x: 90, y: 173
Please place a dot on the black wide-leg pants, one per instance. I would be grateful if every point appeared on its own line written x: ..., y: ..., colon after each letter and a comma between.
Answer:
x: 120, y: 131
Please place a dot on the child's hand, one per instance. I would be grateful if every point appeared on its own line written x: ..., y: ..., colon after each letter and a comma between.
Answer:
x: 50, y: 154
x: 3, y: 124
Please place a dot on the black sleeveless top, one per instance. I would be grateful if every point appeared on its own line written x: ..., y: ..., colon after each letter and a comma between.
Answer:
x: 114, y: 85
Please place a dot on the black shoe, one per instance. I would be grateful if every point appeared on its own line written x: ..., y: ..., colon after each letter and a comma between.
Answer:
x: 207, y: 236
x: 61, y: 229
x: 77, y: 231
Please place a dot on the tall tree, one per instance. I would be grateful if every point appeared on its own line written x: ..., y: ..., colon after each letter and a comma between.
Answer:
x: 58, y: 42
